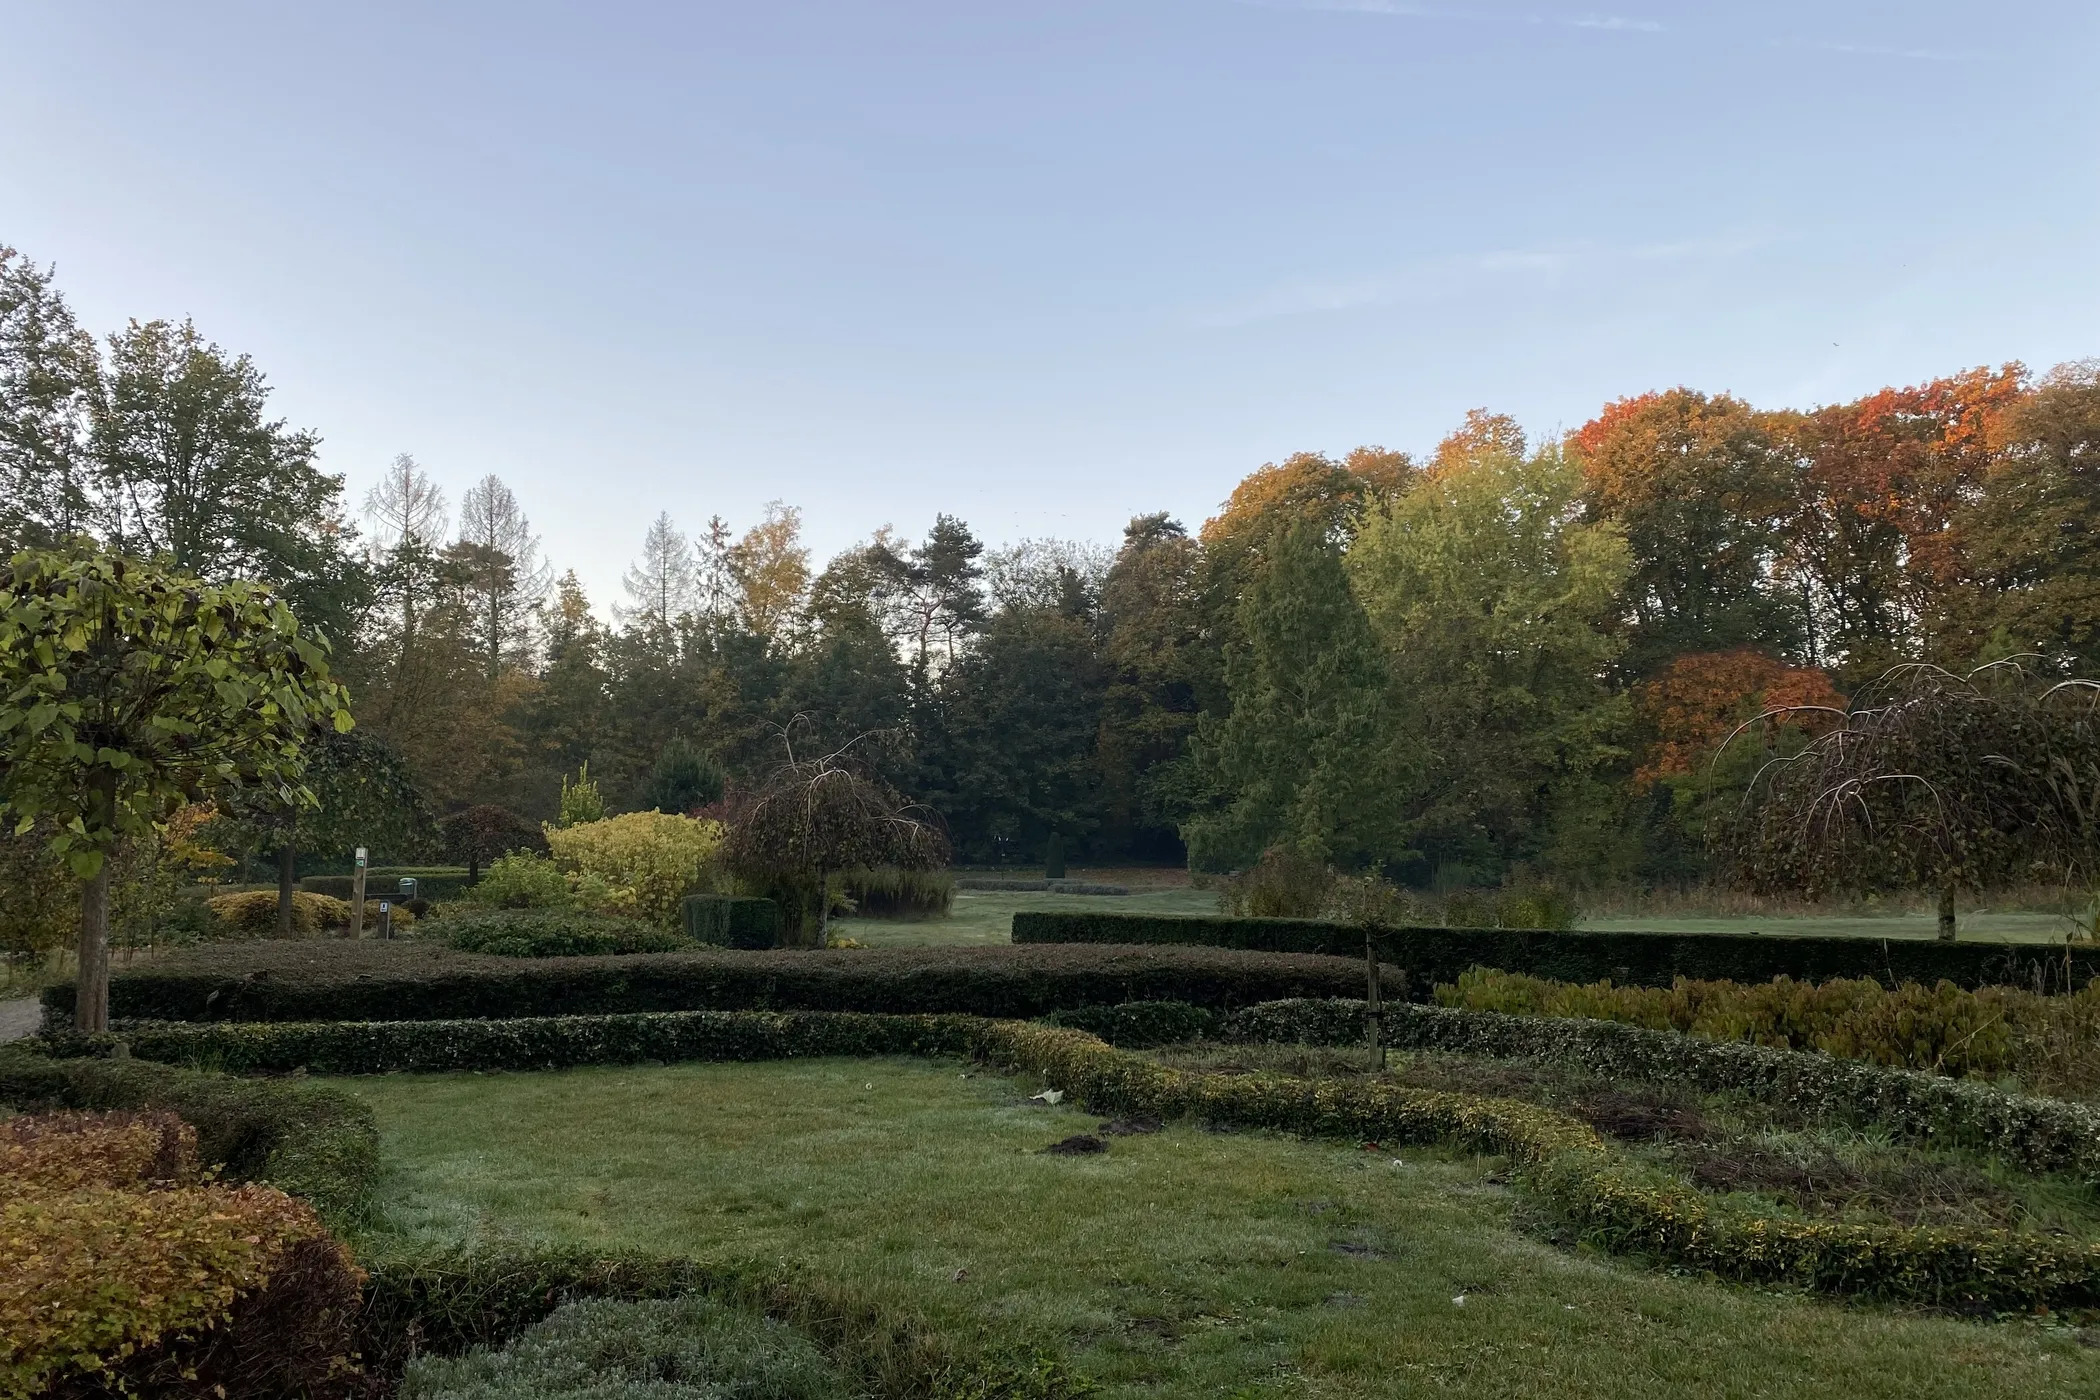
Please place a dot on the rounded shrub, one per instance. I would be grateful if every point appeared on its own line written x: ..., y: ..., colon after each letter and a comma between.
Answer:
x: 554, y: 933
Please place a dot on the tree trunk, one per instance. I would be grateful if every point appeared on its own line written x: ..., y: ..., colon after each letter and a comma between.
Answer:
x: 823, y: 909
x: 286, y: 854
x: 91, y: 988
x: 1947, y: 914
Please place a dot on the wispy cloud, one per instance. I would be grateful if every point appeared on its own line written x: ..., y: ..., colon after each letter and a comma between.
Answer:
x: 1642, y: 26
x: 1429, y: 279
x: 1876, y: 50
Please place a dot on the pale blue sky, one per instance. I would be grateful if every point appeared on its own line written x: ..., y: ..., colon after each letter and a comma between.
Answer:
x: 1044, y: 265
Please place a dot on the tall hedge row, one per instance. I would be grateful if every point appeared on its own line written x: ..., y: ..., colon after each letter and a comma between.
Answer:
x: 1438, y: 955
x: 349, y: 981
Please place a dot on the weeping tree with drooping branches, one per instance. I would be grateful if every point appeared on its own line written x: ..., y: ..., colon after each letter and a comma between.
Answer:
x: 1931, y: 780
x: 814, y: 819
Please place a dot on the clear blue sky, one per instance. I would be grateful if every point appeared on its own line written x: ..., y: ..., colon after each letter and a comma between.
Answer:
x: 1042, y: 263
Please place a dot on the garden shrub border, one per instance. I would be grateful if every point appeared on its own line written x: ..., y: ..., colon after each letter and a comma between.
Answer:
x: 1607, y: 1197
x: 308, y: 1140
x: 1438, y: 955
x: 986, y: 981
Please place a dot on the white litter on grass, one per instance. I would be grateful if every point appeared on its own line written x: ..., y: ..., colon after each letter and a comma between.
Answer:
x: 1049, y: 1096
x: 1459, y: 1301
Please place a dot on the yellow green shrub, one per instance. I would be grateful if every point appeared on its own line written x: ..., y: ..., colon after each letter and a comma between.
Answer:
x: 648, y: 861
x: 104, y: 1266
x: 2052, y: 1043
x: 254, y: 912
x: 68, y: 1151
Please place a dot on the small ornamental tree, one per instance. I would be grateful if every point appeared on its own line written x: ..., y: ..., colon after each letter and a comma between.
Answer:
x: 685, y: 779
x: 481, y: 835
x: 1932, y: 781
x: 128, y: 690
x: 815, y: 818
x: 355, y: 791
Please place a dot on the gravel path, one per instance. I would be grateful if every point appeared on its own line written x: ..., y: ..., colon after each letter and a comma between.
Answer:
x: 20, y: 1018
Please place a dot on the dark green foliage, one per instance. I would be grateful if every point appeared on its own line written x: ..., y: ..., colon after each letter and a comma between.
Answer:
x: 552, y: 933
x: 1438, y: 955
x: 311, y: 1141
x: 1297, y: 759
x: 529, y: 1042
x: 688, y: 1348
x: 442, y: 1304
x: 889, y: 893
x: 478, y: 835
x: 1054, y: 857
x: 686, y: 778
x: 731, y: 921
x: 370, y: 980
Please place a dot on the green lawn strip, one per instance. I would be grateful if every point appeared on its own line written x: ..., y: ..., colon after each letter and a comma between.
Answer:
x: 982, y: 917
x: 1182, y: 1263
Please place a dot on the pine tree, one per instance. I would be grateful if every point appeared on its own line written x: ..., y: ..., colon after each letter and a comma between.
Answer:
x: 660, y: 585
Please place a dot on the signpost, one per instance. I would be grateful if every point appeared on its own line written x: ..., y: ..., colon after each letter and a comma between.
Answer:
x: 357, y: 896
x: 386, y: 919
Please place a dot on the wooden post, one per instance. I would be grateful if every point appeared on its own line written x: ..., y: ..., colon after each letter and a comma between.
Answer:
x: 1947, y: 913
x: 357, y: 896
x: 1374, y: 1001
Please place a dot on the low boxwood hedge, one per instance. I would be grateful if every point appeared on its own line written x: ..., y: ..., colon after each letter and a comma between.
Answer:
x: 447, y: 1302
x: 374, y: 980
x: 385, y: 883
x: 550, y: 933
x: 1434, y: 956
x: 309, y: 1140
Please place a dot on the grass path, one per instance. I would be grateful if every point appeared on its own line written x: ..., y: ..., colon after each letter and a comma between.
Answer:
x: 1186, y: 1263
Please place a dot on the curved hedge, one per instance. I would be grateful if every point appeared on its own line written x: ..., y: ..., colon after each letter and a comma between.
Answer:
x: 309, y: 1140
x: 1433, y: 956
x: 369, y: 980
x: 1609, y: 1197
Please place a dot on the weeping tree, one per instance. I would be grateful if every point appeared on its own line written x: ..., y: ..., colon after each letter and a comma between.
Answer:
x: 128, y: 690
x: 1931, y: 780
x: 812, y: 819
x: 476, y: 836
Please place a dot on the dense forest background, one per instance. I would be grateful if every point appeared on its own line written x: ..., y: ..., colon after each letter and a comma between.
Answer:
x: 1502, y: 659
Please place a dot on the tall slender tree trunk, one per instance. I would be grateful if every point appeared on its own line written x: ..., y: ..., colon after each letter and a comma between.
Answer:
x: 286, y: 855
x: 91, y: 988
x: 823, y: 909
x: 1947, y: 913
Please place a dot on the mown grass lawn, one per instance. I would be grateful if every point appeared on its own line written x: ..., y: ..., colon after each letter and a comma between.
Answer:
x: 1186, y: 1263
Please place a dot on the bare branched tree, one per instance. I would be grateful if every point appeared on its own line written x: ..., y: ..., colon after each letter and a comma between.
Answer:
x: 815, y: 818
x: 1932, y: 780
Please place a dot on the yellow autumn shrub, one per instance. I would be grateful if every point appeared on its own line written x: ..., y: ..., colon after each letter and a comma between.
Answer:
x: 648, y: 861
x: 105, y: 1252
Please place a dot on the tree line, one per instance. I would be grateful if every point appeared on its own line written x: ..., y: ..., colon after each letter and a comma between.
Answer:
x: 1500, y: 658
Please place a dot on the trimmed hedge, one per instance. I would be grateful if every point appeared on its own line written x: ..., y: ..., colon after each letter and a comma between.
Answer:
x: 1434, y: 956
x: 447, y: 1303
x: 371, y: 980
x: 2034, y: 1134
x: 530, y: 1043
x: 552, y: 933
x: 731, y: 921
x: 312, y: 1141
